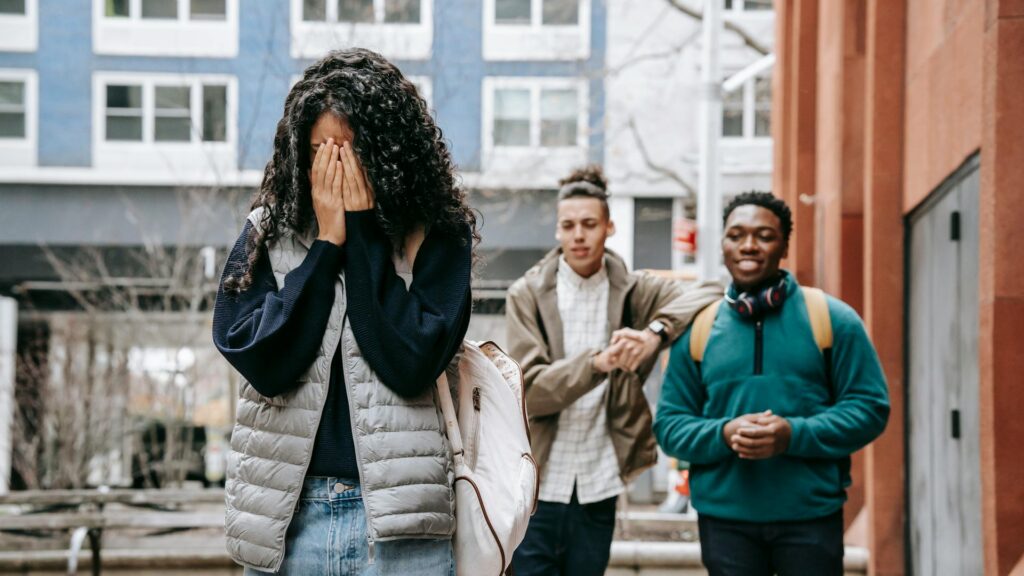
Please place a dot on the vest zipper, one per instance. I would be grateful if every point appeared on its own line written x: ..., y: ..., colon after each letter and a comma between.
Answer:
x: 758, y: 347
x: 355, y: 435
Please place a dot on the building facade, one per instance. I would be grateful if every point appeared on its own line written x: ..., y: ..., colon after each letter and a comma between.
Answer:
x: 133, y: 132
x: 899, y: 122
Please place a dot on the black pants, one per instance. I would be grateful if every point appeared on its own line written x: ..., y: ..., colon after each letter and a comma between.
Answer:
x: 567, y: 539
x: 733, y: 548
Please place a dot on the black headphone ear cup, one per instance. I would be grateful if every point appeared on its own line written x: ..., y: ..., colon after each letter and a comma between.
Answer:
x: 746, y: 306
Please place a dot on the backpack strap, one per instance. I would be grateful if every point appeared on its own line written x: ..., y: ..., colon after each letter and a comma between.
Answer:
x: 701, y: 330
x: 821, y: 326
x: 817, y: 311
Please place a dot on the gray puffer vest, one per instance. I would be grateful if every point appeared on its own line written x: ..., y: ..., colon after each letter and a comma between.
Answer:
x: 402, y: 454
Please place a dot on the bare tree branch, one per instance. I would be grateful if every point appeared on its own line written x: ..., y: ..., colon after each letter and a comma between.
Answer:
x: 657, y: 168
x: 747, y: 37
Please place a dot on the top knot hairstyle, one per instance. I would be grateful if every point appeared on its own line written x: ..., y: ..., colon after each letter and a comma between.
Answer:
x: 764, y: 200
x: 407, y: 161
x: 586, y: 182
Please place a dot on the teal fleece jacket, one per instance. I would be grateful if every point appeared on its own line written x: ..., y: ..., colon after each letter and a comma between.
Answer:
x: 807, y: 481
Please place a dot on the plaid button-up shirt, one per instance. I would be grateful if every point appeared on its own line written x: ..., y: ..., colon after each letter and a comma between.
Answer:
x: 582, y: 455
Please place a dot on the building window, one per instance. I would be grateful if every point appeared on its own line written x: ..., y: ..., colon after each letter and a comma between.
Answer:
x: 537, y: 12
x: 536, y: 116
x: 165, y: 127
x: 398, y: 29
x: 533, y: 130
x: 512, y: 117
x: 19, y: 25
x: 763, y: 107
x: 189, y: 28
x: 215, y: 113
x: 166, y: 9
x: 747, y: 111
x: 652, y: 233
x: 536, y: 29
x: 183, y: 112
x: 13, y: 110
x: 209, y: 10
x: 18, y: 118
x: 748, y: 5
x: 512, y: 12
x: 558, y: 113
x: 732, y: 114
x: 363, y: 11
x: 124, y: 112
x: 15, y: 7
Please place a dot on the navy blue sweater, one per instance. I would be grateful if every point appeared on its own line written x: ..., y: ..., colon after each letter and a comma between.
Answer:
x: 271, y: 334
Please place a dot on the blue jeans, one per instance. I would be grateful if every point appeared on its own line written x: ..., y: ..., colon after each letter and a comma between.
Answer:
x: 327, y: 537
x: 734, y: 548
x: 571, y: 539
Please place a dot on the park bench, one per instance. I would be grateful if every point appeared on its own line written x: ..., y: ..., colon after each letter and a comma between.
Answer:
x: 86, y: 514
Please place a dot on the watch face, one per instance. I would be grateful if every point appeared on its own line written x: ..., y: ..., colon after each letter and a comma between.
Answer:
x: 657, y: 327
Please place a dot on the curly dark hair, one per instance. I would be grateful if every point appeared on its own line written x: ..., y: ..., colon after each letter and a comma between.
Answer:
x: 764, y: 200
x: 591, y: 173
x: 586, y: 182
x: 406, y: 158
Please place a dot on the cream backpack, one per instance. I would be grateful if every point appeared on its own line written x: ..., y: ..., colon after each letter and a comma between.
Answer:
x: 496, y: 477
x: 497, y: 481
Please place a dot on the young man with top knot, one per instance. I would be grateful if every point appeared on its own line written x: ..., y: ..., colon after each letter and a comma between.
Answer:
x: 587, y: 332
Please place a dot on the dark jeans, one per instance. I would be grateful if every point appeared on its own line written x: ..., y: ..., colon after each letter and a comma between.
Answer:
x: 733, y: 548
x: 567, y: 539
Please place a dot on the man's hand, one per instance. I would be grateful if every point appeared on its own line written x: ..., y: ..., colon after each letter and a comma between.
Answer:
x: 732, y: 427
x: 610, y: 358
x: 763, y: 436
x: 639, y: 346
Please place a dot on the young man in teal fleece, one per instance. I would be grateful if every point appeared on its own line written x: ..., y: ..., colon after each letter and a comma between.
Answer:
x: 766, y: 421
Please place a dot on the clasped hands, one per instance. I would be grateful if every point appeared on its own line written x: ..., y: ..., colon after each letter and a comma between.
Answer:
x: 758, y: 436
x: 628, y: 350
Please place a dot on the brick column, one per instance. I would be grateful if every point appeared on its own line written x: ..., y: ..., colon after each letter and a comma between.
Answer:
x: 801, y: 114
x: 1001, y: 287
x: 884, y: 271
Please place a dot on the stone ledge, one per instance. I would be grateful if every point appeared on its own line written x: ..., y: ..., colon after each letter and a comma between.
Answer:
x: 637, y: 555
x: 626, y: 557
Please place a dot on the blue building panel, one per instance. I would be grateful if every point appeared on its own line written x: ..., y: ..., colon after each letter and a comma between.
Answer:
x: 65, y: 63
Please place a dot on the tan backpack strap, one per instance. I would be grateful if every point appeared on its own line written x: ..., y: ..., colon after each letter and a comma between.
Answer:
x: 817, y: 311
x: 701, y: 330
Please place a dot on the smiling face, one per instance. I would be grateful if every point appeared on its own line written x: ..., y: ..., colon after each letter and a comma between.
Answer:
x: 583, y: 226
x: 753, y: 246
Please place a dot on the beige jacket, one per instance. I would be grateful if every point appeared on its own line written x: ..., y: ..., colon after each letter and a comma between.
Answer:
x: 553, y: 382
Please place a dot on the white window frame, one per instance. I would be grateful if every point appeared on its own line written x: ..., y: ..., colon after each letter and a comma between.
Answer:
x: 22, y: 152
x: 313, y: 39
x: 533, y: 165
x: 749, y: 115
x: 20, y: 32
x: 740, y: 7
x: 137, y: 36
x: 162, y: 159
x: 536, y: 41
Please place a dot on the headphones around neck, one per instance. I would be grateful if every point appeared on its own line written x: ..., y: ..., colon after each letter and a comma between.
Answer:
x: 765, y: 300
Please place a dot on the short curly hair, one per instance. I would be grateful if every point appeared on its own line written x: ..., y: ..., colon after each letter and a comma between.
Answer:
x: 764, y: 200
x: 586, y: 182
x: 407, y: 160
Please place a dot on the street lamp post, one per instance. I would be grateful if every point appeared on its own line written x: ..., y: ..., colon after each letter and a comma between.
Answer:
x: 709, y: 198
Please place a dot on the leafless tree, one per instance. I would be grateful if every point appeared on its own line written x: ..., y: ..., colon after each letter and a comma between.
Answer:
x: 95, y: 405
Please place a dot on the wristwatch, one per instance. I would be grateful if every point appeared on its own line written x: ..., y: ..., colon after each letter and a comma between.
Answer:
x: 659, y: 329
